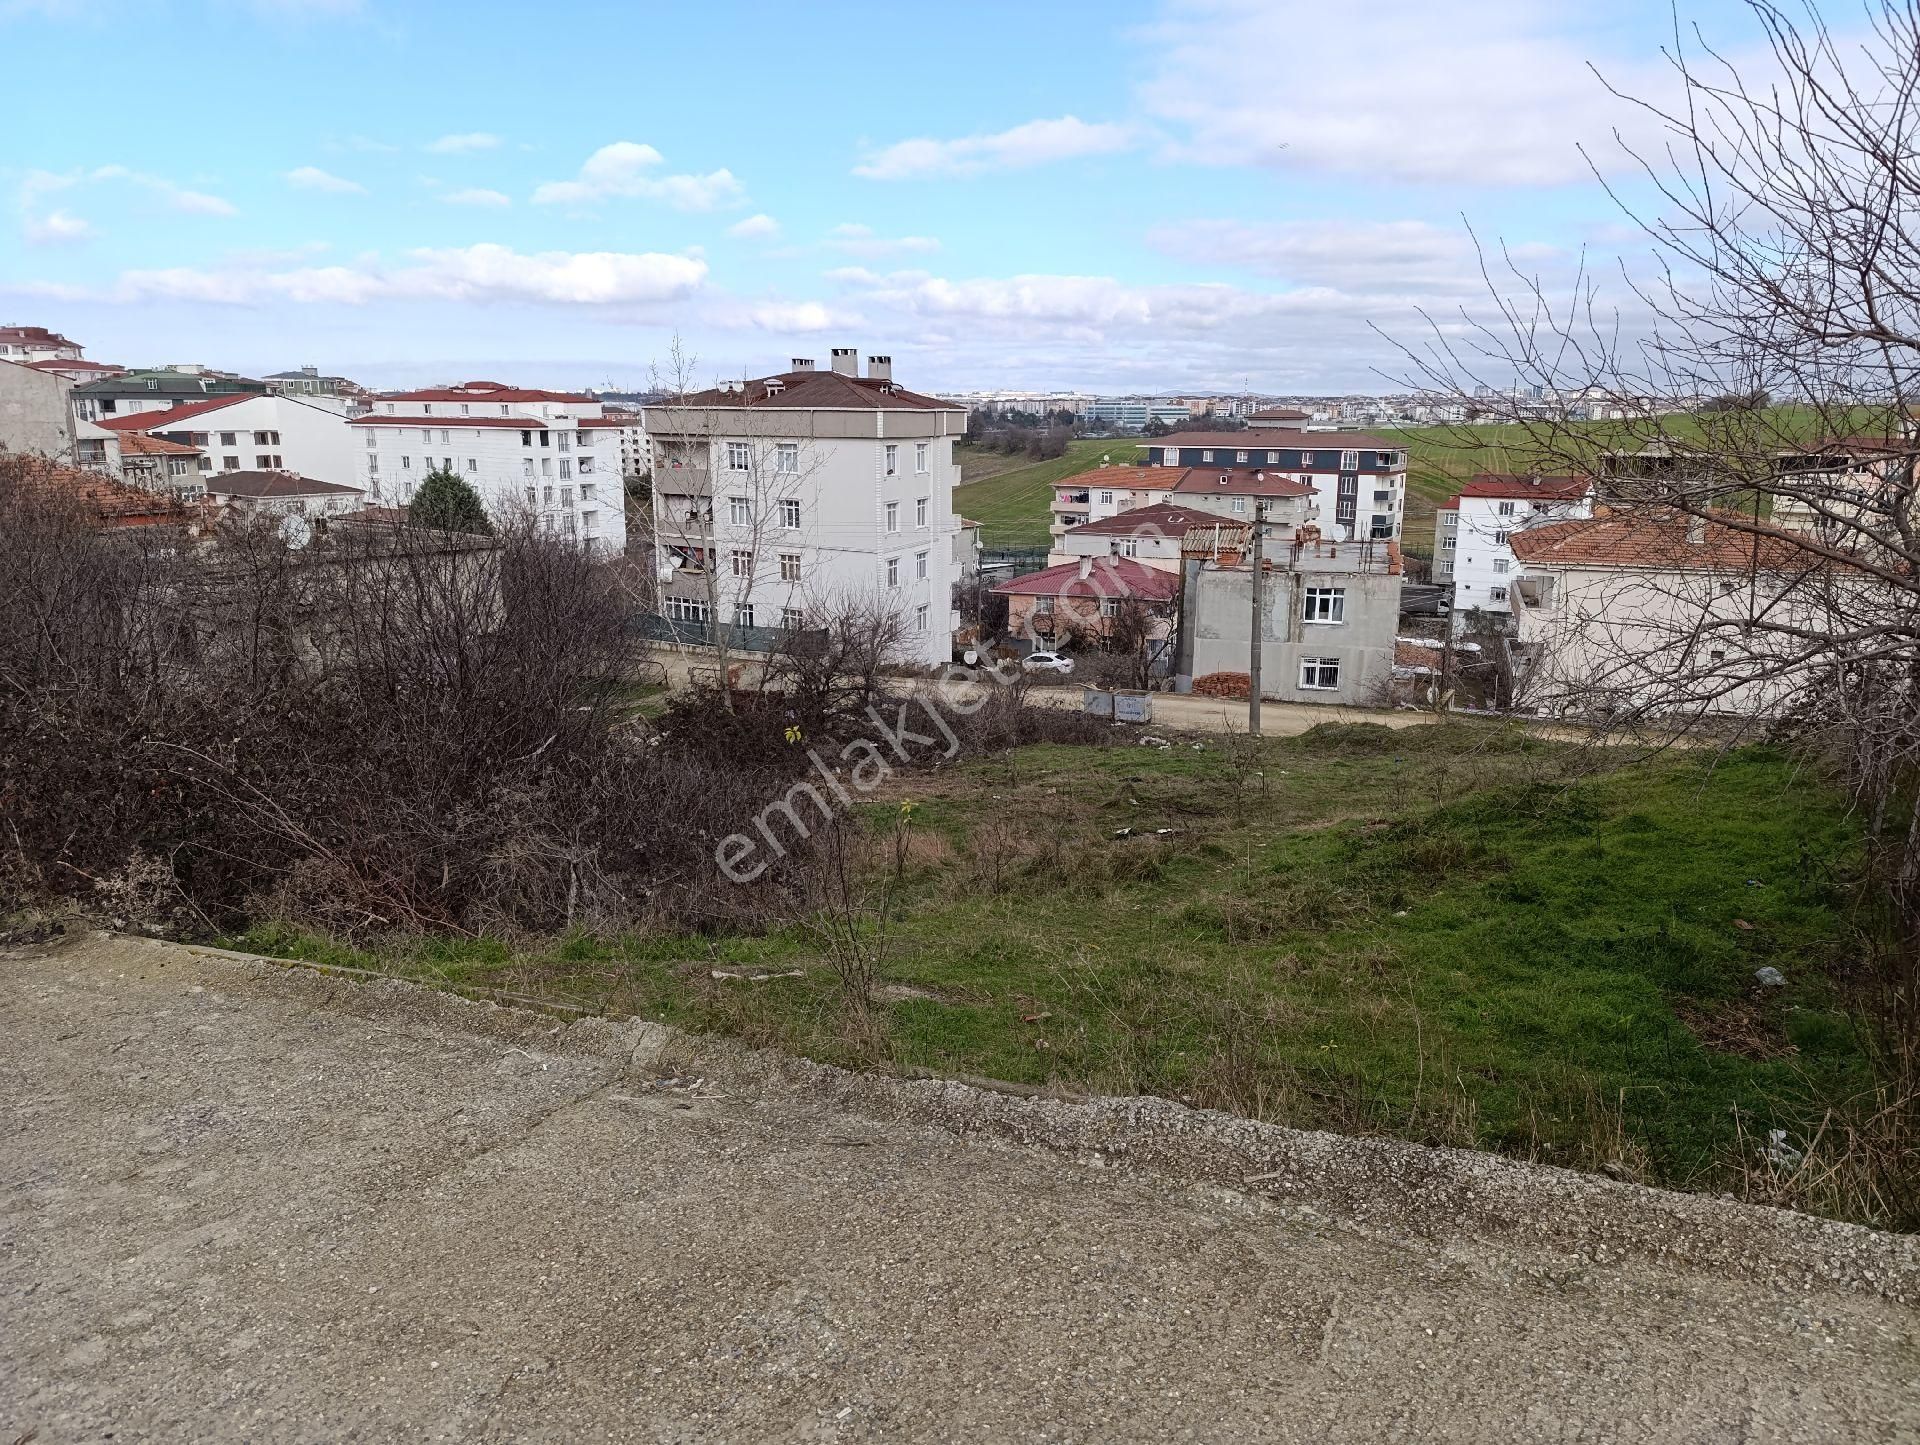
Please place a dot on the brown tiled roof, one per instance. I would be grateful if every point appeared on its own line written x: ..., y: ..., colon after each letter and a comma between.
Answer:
x: 1161, y: 519
x: 113, y: 503
x: 1107, y: 577
x: 273, y: 484
x: 483, y: 391
x: 137, y: 444
x: 1273, y: 438
x: 1240, y: 482
x: 186, y: 411
x: 1123, y: 478
x: 811, y: 390
x: 454, y: 423
x: 1657, y: 541
x: 1521, y: 486
x: 1281, y: 413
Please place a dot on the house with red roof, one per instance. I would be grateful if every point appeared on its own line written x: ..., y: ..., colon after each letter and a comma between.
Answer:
x: 1077, y: 601
x: 245, y: 431
x: 1153, y: 535
x: 1473, y: 531
x: 1360, y: 479
x: 1104, y: 492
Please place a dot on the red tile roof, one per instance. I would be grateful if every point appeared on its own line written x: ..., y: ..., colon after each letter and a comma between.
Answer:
x: 186, y: 411
x: 1124, y: 478
x: 1271, y: 438
x: 111, y: 503
x: 1106, y: 577
x: 1281, y: 413
x: 1240, y: 482
x: 1662, y: 541
x: 138, y: 444
x: 1522, y: 486
x: 485, y: 391
x: 273, y: 484
x: 619, y: 421
x: 454, y: 423
x: 76, y: 365
x: 1162, y: 519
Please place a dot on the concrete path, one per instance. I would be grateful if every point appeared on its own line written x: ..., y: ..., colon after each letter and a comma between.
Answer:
x: 239, y: 1202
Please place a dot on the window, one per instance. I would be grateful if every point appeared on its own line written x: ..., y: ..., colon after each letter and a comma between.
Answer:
x: 1273, y: 459
x: 406, y: 463
x: 1349, y: 461
x: 1106, y: 499
x: 1499, y: 564
x: 1124, y: 547
x: 566, y: 496
x: 920, y: 566
x: 1326, y: 604
x: 545, y: 438
x: 739, y: 512
x: 373, y: 466
x: 504, y: 409
x: 1717, y: 656
x: 1447, y: 544
x: 1240, y: 504
x: 1239, y: 456
x: 1320, y: 674
x: 427, y: 410
x: 893, y: 458
x: 526, y: 466
x: 1387, y: 497
x: 893, y: 516
x: 1497, y: 594
x: 473, y: 464
x: 586, y: 492
x: 789, y: 566
x: 445, y: 436
x: 1306, y: 461
x: 686, y: 609
x: 920, y: 513
x: 465, y: 410
x: 566, y: 470
x: 792, y: 617
x: 920, y: 618
x: 1505, y: 509
x: 446, y: 464
x: 1500, y: 537
x: 546, y: 495
x: 790, y: 514
x: 226, y: 437
x: 372, y: 440
x: 1169, y: 456
x: 533, y: 497
x: 1043, y: 604
x: 920, y: 452
x: 526, y: 438
x: 742, y: 562
x: 1206, y: 456
x: 566, y: 440
x: 893, y: 571
x: 739, y: 457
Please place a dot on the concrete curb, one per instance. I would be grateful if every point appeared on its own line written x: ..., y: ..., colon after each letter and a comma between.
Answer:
x: 1371, y: 1183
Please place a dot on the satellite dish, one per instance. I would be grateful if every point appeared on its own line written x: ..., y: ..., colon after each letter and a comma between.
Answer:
x: 296, y: 531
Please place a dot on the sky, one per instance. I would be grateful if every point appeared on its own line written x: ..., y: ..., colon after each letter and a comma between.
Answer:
x: 1134, y: 195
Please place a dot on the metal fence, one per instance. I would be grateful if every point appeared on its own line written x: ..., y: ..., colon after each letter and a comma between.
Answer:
x: 1021, y: 559
x: 740, y: 638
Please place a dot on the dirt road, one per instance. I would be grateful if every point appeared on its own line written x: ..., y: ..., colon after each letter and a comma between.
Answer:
x: 239, y: 1202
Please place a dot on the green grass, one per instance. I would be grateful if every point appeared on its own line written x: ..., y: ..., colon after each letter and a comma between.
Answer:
x: 1447, y: 934
x: 1013, y: 505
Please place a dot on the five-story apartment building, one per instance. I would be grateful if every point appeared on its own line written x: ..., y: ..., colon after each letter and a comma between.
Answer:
x: 1361, y: 479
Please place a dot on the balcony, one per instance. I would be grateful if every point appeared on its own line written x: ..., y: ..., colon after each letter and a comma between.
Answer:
x: 1066, y: 499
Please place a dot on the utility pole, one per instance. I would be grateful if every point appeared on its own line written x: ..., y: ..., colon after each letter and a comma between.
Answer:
x: 1259, y: 578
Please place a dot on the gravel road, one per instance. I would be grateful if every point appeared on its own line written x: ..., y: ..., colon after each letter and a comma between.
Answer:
x: 240, y: 1202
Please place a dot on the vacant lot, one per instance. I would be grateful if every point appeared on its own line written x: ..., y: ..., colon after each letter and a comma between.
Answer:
x: 1452, y: 934
x: 1012, y: 498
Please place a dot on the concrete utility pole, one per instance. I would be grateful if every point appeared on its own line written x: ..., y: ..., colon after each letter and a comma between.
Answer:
x: 1259, y: 579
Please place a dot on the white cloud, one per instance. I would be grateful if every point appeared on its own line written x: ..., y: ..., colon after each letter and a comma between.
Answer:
x: 175, y: 196
x: 627, y: 169
x: 755, y: 228
x: 789, y: 316
x: 1373, y: 256
x: 464, y: 143
x: 482, y: 273
x: 57, y: 228
x: 477, y: 196
x: 852, y: 239
x: 312, y: 178
x: 1424, y: 98
x: 1038, y: 142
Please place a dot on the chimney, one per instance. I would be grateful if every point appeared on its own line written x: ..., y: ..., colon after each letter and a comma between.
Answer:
x: 1696, y: 531
x: 1086, y: 568
x: 802, y: 363
x: 880, y: 368
x: 846, y: 361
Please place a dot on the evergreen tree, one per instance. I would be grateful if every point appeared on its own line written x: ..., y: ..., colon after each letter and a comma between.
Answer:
x: 446, y: 502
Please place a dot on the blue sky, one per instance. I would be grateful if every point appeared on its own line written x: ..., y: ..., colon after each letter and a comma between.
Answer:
x: 1161, y: 195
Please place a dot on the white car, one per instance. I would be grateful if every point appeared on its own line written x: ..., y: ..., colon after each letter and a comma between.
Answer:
x: 1048, y: 662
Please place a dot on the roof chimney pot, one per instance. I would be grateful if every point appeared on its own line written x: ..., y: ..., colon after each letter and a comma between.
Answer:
x: 802, y: 363
x: 880, y: 368
x: 846, y: 361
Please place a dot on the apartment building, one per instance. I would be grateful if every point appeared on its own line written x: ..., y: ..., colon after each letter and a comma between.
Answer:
x: 795, y: 492
x: 1361, y: 478
x: 157, y: 389
x: 335, y: 392
x: 36, y: 414
x: 248, y: 431
x: 1151, y: 535
x: 26, y: 345
x: 552, y: 456
x: 1104, y: 492
x: 1473, y: 532
x: 1329, y: 611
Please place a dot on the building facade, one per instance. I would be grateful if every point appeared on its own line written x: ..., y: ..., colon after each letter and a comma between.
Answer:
x: 792, y: 494
x: 161, y: 389
x: 549, y: 456
x: 1473, y: 533
x: 36, y: 414
x: 26, y: 345
x: 250, y: 431
x: 1104, y: 492
x: 1361, y: 479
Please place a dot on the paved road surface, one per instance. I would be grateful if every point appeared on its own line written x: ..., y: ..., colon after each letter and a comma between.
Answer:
x: 240, y: 1202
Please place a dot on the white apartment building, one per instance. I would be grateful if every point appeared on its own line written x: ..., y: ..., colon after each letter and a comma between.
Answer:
x: 26, y: 345
x: 1104, y: 492
x: 1473, y: 531
x: 248, y: 431
x: 791, y: 494
x: 549, y: 455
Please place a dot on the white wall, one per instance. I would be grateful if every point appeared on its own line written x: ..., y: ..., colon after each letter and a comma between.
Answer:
x: 1483, y: 561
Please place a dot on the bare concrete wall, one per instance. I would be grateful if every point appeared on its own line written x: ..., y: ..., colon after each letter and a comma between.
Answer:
x: 35, y: 412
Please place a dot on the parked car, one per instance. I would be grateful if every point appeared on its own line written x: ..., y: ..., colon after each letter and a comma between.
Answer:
x: 1047, y: 662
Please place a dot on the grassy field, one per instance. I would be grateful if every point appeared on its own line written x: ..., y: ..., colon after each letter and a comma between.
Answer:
x: 1012, y: 504
x: 1453, y: 934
